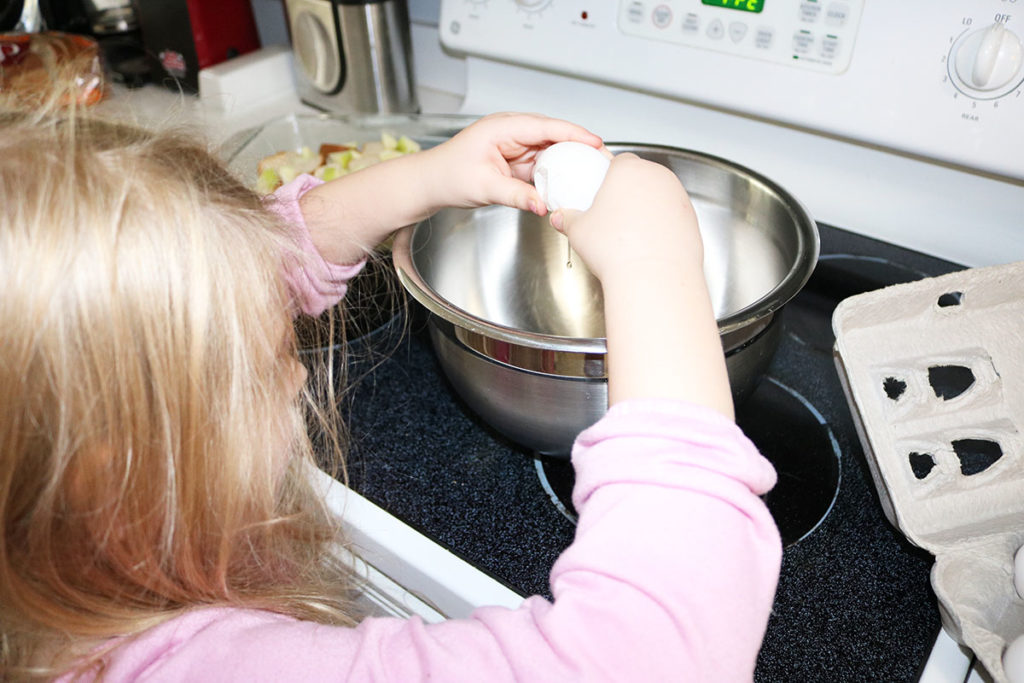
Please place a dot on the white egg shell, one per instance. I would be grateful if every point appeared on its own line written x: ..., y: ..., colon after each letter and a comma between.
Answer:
x: 568, y: 174
x: 1013, y: 660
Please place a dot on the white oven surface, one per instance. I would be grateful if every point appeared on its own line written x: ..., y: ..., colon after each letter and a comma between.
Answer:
x: 898, y: 74
x: 889, y: 145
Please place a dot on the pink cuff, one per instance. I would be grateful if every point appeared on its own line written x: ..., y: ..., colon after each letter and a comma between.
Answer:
x: 316, y: 284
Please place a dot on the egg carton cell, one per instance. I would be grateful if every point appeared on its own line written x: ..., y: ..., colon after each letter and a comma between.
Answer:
x: 964, y: 457
x: 930, y: 387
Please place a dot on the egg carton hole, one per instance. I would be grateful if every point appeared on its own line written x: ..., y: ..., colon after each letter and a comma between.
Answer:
x: 894, y: 388
x: 921, y: 464
x: 950, y: 381
x: 951, y: 299
x: 976, y: 455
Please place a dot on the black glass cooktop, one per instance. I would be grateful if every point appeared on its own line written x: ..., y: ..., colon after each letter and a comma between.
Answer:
x: 854, y: 601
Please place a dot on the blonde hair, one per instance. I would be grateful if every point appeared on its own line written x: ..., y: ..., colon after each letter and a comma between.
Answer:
x: 152, y: 457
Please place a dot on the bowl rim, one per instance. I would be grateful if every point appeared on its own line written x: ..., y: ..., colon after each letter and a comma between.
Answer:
x: 808, y: 248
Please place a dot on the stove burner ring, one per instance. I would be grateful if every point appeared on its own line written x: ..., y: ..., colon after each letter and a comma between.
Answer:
x: 808, y: 317
x: 557, y: 479
x: 789, y: 431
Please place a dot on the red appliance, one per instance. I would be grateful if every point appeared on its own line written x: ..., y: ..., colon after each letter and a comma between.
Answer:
x: 184, y: 36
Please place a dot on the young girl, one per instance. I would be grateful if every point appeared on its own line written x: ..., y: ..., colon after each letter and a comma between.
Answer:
x: 157, y: 522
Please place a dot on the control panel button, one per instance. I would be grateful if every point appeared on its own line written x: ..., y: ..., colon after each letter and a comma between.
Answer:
x: 837, y: 13
x: 662, y: 16
x: 737, y: 30
x: 716, y: 30
x: 803, y: 41
x: 691, y: 23
x: 830, y: 47
x: 636, y: 12
x: 809, y: 11
x: 532, y: 5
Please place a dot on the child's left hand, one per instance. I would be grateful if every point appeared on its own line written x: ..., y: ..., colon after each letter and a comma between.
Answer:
x: 491, y: 161
x: 488, y: 162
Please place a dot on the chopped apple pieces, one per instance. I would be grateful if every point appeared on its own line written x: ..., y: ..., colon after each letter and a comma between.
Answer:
x: 330, y: 161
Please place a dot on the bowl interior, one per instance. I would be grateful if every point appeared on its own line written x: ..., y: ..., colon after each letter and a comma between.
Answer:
x: 511, y: 269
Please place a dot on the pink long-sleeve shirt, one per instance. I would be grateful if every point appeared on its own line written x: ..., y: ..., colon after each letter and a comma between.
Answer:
x: 671, y: 575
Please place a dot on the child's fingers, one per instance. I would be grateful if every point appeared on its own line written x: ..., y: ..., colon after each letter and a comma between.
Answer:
x: 534, y: 130
x: 518, y: 194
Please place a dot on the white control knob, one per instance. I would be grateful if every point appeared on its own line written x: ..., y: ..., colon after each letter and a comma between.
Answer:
x: 990, y: 58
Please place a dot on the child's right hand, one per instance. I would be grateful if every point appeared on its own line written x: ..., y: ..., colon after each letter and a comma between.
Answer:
x: 642, y: 213
x: 640, y: 238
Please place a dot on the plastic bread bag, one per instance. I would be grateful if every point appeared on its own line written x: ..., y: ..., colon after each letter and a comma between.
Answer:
x: 37, y: 67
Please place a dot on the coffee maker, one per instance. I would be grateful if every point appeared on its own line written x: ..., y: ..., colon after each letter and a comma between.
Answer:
x: 353, y: 56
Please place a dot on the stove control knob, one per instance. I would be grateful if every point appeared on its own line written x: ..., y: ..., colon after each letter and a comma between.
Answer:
x: 989, y: 59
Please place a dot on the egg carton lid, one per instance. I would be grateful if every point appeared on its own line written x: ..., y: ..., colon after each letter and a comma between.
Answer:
x: 934, y: 375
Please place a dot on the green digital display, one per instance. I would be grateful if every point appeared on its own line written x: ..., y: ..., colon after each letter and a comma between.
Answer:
x: 742, y: 5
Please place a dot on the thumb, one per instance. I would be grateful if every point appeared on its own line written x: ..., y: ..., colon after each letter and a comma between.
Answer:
x: 563, y: 218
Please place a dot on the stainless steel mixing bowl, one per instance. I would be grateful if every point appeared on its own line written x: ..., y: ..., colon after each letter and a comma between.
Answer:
x: 520, y: 334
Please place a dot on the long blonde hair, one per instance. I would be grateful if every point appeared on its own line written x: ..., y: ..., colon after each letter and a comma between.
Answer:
x: 151, y: 456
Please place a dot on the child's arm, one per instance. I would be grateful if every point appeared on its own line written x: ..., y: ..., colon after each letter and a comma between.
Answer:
x: 640, y: 238
x: 489, y: 162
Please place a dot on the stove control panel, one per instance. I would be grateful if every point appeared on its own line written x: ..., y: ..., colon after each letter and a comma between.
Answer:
x: 810, y: 34
x: 940, y: 79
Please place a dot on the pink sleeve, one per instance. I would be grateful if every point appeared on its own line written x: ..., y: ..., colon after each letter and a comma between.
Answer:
x: 316, y: 284
x: 671, y: 577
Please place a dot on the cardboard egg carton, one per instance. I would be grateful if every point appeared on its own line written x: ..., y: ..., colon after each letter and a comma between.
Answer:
x: 934, y: 374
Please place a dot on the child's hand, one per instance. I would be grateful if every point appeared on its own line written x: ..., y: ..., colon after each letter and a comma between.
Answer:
x: 641, y: 214
x: 491, y: 161
x: 641, y: 239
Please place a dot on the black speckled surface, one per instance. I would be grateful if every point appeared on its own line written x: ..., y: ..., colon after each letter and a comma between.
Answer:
x: 854, y: 601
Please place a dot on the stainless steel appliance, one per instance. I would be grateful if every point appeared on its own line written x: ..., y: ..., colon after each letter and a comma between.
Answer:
x: 353, y: 55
